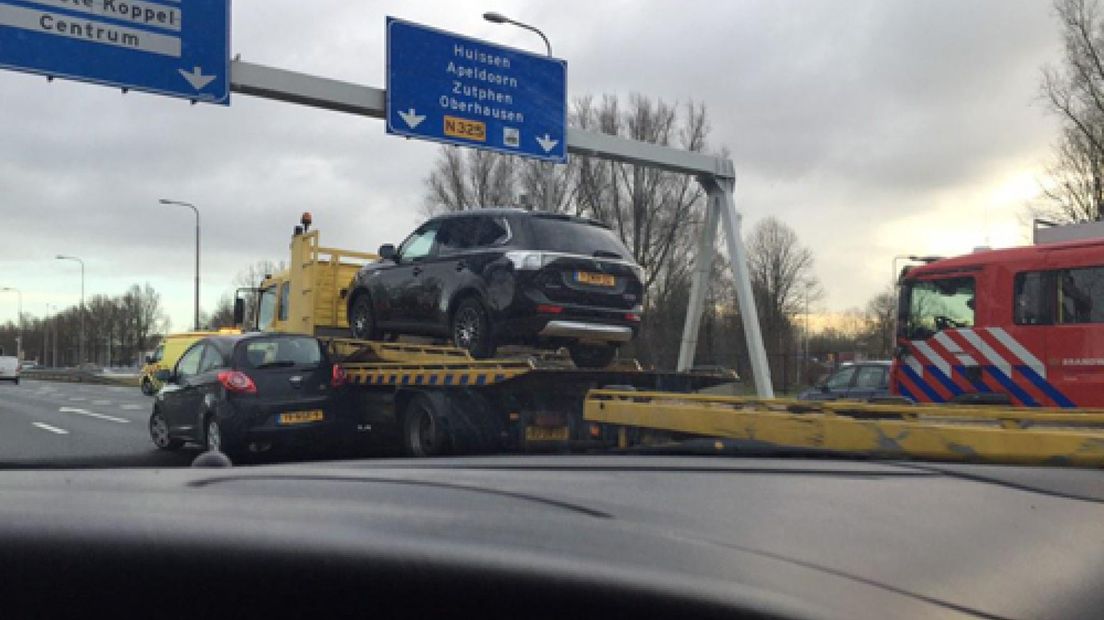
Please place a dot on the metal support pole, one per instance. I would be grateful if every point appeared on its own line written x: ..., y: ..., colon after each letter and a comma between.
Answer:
x: 702, y: 268
x: 737, y: 256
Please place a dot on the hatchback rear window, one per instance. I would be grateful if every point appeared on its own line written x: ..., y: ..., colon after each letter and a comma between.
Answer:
x: 281, y: 352
x: 576, y: 237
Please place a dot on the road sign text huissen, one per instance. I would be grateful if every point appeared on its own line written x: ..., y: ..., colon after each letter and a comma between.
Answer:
x: 450, y: 88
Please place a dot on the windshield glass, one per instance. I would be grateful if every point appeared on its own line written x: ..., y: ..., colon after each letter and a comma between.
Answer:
x: 261, y: 353
x: 266, y: 311
x: 936, y: 305
x: 734, y: 202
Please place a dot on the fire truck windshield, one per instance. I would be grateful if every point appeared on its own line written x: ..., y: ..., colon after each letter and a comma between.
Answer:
x: 930, y: 306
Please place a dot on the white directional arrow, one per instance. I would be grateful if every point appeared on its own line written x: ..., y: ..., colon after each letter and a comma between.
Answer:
x: 90, y: 414
x: 196, y: 77
x: 547, y: 143
x: 412, y: 118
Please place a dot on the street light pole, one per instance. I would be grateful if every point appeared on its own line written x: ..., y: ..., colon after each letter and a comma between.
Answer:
x: 166, y: 201
x: 549, y: 167
x: 19, y: 311
x: 81, y: 344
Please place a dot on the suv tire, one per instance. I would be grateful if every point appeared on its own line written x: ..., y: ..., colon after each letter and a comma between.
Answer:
x: 362, y: 325
x: 470, y: 329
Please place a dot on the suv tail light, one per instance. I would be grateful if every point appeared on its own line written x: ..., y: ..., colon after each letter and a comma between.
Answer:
x: 237, y: 381
x: 549, y: 309
x: 338, y: 376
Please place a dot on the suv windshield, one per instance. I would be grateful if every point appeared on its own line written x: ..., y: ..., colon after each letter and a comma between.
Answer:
x: 559, y: 234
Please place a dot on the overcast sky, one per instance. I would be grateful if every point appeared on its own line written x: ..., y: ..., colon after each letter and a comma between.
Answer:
x: 872, y: 128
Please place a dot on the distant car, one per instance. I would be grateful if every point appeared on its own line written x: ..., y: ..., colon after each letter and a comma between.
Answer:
x: 234, y: 393
x: 853, y: 381
x: 9, y: 368
x: 488, y: 277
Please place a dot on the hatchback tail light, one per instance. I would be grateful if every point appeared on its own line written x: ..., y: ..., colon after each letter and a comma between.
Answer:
x: 338, y: 377
x: 237, y: 381
x: 632, y: 316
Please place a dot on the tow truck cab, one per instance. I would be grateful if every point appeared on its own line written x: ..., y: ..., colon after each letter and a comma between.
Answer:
x: 1021, y: 326
x: 309, y: 296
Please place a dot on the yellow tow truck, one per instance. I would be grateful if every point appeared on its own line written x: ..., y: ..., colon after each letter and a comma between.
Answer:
x: 433, y: 400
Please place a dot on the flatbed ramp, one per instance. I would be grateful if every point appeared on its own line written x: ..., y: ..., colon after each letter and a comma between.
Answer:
x: 978, y: 434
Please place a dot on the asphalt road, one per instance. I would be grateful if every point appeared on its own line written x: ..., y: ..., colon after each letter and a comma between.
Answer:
x: 79, y: 425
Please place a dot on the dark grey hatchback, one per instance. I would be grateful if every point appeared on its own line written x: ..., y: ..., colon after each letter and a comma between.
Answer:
x: 235, y: 393
x: 488, y: 277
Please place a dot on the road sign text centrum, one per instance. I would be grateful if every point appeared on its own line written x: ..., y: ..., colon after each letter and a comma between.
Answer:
x: 179, y: 48
x: 450, y: 88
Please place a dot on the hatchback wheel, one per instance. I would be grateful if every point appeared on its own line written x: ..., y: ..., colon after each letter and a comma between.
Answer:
x: 471, y: 329
x: 159, y: 433
x: 592, y: 356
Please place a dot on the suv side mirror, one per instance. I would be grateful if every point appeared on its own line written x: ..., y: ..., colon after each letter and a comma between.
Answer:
x: 387, y: 252
x: 164, y: 375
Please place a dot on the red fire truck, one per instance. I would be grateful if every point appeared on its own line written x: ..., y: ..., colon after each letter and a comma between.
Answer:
x: 1021, y: 326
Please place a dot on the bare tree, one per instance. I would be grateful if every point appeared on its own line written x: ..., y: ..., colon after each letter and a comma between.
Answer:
x: 1074, y: 188
x: 652, y: 211
x: 469, y: 179
x: 782, y: 281
x: 881, y: 314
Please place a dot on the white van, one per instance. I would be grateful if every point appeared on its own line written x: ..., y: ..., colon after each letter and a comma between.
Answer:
x: 9, y: 368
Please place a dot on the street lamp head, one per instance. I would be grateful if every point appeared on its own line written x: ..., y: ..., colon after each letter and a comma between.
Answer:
x: 62, y: 257
x: 497, y: 18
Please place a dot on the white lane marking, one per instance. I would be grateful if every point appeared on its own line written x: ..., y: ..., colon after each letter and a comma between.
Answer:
x: 52, y: 429
x: 77, y: 398
x: 132, y: 407
x: 109, y: 418
x: 101, y: 402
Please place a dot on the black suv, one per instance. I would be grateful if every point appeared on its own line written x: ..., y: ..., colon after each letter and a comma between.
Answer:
x: 488, y: 277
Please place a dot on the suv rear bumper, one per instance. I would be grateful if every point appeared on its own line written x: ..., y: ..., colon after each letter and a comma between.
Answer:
x: 582, y: 330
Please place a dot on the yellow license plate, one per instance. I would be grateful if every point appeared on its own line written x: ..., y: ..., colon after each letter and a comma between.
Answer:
x: 542, y: 433
x: 597, y: 279
x: 463, y: 128
x: 301, y: 417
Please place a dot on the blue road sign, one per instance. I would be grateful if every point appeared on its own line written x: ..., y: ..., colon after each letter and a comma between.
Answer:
x: 179, y: 48
x: 450, y: 88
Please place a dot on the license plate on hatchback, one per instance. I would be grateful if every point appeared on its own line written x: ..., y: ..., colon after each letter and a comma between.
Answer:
x: 595, y: 279
x: 300, y: 417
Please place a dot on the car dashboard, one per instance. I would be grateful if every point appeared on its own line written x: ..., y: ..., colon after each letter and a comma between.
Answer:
x: 552, y: 536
